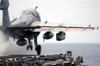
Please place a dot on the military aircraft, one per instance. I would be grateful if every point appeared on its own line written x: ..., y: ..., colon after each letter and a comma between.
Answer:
x: 28, y: 26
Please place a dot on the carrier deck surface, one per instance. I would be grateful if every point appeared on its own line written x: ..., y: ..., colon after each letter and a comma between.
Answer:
x: 41, y: 60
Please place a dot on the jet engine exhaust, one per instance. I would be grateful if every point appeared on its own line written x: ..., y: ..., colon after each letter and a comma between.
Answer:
x: 21, y: 42
x: 60, y: 36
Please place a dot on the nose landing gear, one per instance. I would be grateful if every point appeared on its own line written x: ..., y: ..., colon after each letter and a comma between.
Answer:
x: 29, y: 47
x: 37, y: 47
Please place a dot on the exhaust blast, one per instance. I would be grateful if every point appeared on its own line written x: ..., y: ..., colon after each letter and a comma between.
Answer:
x: 11, y: 48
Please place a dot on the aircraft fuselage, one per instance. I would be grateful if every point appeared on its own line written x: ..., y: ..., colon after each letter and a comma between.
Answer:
x: 25, y: 20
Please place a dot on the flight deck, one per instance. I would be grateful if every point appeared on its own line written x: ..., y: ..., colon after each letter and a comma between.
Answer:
x: 42, y: 60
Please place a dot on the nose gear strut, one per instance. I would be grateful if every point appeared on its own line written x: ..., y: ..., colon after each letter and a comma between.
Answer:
x: 37, y: 47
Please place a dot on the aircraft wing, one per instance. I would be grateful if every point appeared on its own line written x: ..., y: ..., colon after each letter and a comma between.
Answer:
x: 59, y: 27
x: 63, y: 28
x: 54, y: 27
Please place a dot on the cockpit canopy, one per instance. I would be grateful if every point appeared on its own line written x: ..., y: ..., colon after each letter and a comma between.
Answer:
x: 31, y: 12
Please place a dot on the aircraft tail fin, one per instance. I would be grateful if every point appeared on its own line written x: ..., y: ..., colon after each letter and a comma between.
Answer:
x: 4, y: 7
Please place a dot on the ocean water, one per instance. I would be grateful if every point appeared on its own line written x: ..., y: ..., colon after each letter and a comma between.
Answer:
x: 89, y: 51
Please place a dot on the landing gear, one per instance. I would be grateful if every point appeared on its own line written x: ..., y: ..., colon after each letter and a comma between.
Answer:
x: 38, y: 49
x: 29, y: 46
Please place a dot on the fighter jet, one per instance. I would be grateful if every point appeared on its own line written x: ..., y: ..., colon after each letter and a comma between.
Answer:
x: 28, y: 26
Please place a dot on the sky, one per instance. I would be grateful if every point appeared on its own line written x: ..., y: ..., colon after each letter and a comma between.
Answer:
x: 78, y: 12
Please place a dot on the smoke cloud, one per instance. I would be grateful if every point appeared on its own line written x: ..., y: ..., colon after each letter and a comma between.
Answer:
x: 10, y: 47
